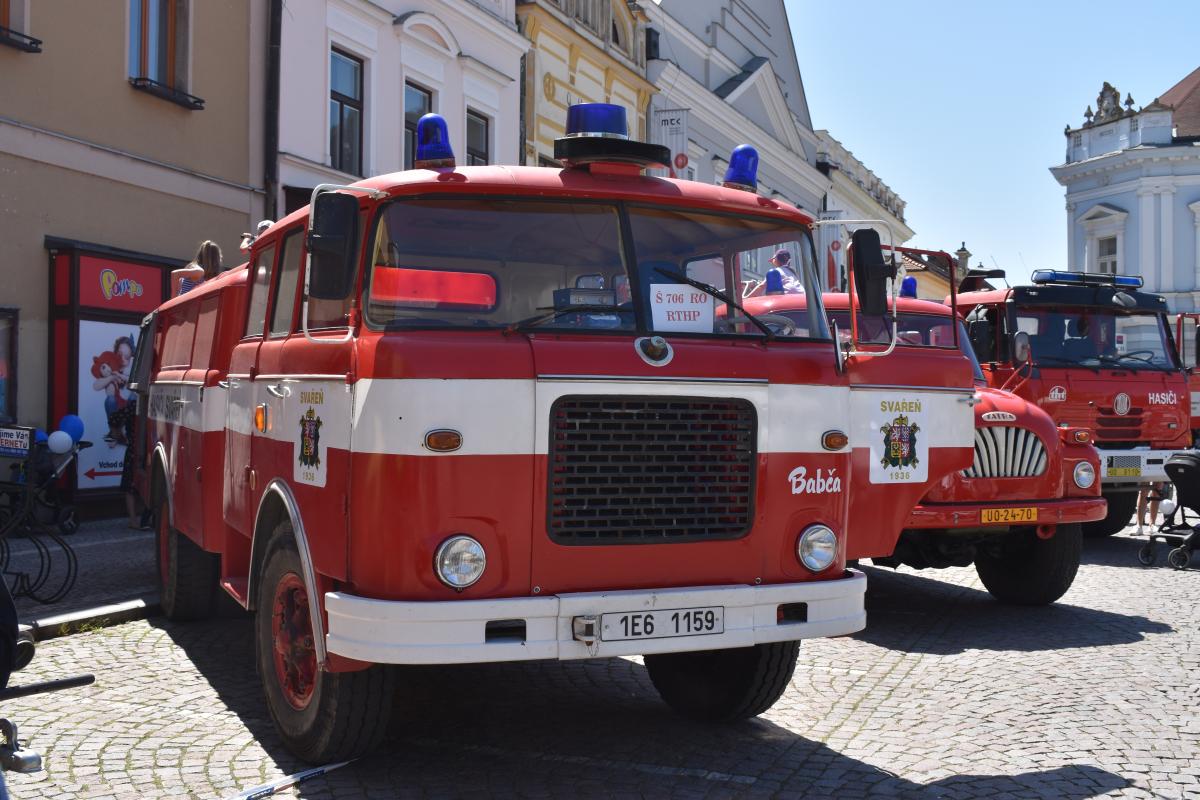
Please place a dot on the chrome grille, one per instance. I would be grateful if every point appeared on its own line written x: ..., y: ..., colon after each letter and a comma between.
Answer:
x: 1007, y: 452
x: 648, y: 470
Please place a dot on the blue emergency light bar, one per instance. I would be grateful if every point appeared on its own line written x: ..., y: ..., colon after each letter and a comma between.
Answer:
x: 597, y: 119
x: 1044, y: 276
x: 598, y: 133
x: 743, y: 169
x: 433, y: 143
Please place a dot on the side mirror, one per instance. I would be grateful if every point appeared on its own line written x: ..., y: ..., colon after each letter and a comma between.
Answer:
x: 332, y: 240
x: 871, y: 272
x: 1022, y: 347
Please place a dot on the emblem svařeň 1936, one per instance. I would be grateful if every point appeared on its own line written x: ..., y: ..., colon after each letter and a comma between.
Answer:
x: 900, y: 443
x: 310, y: 439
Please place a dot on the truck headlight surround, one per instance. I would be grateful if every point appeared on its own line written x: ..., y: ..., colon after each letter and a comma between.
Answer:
x: 1084, y: 475
x: 817, y: 547
x: 459, y: 562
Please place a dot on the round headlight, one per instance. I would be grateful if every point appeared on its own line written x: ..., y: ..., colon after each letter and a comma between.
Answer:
x: 817, y: 547
x: 1085, y: 475
x: 459, y: 561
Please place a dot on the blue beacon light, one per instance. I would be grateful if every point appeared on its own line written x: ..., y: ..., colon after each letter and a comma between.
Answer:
x: 743, y: 169
x: 433, y: 143
x: 908, y: 287
x: 597, y: 119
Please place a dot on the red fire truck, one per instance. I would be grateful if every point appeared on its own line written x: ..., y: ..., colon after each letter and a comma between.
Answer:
x: 497, y: 413
x: 1015, y: 512
x: 1094, y: 352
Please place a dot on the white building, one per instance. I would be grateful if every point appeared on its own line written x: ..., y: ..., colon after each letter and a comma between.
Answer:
x: 857, y: 193
x: 1132, y: 183
x: 734, y: 71
x: 355, y: 75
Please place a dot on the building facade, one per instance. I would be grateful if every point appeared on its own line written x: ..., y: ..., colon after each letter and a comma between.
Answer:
x: 581, y: 51
x: 356, y: 75
x: 1132, y: 180
x: 733, y: 70
x: 857, y: 193
x: 128, y: 135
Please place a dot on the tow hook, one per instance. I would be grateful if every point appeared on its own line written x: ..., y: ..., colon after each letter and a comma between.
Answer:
x: 584, y: 630
x: 1045, y: 531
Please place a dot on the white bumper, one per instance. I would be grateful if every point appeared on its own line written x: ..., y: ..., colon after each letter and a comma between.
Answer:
x: 455, y: 632
x: 1142, y: 465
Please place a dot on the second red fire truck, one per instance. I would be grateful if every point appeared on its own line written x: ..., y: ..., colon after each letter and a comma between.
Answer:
x: 1015, y: 513
x: 499, y: 413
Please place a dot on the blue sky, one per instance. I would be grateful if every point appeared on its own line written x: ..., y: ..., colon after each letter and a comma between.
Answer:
x: 960, y: 106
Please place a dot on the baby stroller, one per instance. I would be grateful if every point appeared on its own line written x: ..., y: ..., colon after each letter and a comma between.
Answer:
x: 29, y: 505
x: 1184, y: 471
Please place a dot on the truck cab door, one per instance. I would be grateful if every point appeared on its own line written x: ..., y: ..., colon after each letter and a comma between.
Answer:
x: 241, y: 486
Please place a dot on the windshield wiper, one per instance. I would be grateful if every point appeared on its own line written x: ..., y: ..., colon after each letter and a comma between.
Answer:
x: 1138, y: 362
x: 713, y: 291
x: 550, y: 312
x: 1069, y: 362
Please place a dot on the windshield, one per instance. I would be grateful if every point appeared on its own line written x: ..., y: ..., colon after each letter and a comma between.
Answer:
x: 1089, y: 337
x: 526, y: 264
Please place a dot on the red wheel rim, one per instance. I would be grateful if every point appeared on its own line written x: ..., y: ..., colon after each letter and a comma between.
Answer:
x: 292, y: 638
x: 164, y: 550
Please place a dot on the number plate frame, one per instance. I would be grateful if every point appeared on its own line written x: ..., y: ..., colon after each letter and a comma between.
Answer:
x: 1008, y: 516
x: 664, y: 627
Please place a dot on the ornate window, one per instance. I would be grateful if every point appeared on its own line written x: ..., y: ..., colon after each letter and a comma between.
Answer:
x: 1104, y: 226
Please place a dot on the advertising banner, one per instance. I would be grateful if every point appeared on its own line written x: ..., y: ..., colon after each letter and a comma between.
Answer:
x: 670, y: 127
x: 104, y: 399
x: 119, y: 285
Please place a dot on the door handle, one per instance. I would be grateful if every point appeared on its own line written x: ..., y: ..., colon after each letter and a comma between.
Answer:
x: 279, y: 390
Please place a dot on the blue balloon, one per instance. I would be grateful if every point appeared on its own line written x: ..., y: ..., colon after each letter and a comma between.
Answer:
x: 73, y: 425
x: 40, y: 436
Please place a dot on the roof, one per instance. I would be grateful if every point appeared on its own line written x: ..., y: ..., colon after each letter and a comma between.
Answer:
x: 935, y: 264
x: 621, y: 182
x: 1184, y: 97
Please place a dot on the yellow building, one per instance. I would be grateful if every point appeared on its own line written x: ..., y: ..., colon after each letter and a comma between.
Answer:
x: 583, y: 51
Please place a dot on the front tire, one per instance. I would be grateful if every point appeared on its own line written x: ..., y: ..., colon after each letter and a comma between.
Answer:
x: 1121, y: 506
x: 187, y: 575
x: 724, y: 685
x: 1030, y: 571
x: 321, y: 716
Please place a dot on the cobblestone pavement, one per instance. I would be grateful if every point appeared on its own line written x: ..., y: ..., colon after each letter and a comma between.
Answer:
x: 114, y: 564
x: 946, y: 694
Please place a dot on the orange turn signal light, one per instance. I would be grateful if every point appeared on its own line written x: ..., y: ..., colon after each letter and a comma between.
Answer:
x: 443, y: 441
x: 260, y: 418
x: 1083, y: 437
x: 834, y: 440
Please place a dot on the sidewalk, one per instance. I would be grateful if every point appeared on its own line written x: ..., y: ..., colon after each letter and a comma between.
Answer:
x: 115, y: 564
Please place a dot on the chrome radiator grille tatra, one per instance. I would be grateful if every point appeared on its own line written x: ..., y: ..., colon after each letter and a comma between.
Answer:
x: 1007, y: 452
x: 649, y: 470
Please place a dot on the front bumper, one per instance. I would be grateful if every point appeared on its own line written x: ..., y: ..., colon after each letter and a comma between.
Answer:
x: 970, y: 515
x: 1132, y: 467
x: 456, y: 632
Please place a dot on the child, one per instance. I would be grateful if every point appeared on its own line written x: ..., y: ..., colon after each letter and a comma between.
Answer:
x: 206, y: 264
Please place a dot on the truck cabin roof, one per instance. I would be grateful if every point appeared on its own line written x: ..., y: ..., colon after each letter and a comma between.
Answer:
x: 600, y: 181
x: 1075, y: 296
x: 234, y: 276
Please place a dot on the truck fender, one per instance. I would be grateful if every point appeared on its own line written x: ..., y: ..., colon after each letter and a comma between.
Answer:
x: 277, y: 504
x: 161, y: 481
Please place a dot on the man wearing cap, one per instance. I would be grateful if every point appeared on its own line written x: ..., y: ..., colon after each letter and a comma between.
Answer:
x: 781, y: 265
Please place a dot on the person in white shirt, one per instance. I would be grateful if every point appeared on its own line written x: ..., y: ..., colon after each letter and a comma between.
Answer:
x: 781, y: 265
